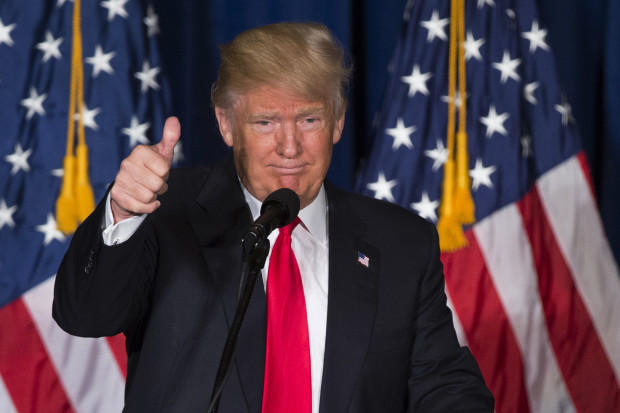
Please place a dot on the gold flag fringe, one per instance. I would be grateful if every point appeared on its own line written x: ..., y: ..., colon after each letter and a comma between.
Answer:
x: 76, y: 200
x: 457, y: 205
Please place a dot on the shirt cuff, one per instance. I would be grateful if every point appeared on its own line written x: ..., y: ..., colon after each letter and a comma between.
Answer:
x: 114, y: 234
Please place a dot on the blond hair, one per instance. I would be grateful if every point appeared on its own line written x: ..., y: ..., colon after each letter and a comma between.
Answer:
x: 303, y: 58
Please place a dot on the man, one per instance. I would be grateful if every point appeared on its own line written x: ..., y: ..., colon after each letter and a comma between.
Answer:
x: 364, y: 327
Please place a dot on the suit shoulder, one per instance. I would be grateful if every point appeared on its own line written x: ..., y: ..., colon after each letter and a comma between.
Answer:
x: 188, y: 179
x: 392, y: 217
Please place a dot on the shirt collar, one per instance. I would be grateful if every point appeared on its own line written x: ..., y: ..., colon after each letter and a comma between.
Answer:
x: 313, y: 216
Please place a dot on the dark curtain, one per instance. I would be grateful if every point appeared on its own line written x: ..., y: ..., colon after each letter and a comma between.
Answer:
x: 585, y: 38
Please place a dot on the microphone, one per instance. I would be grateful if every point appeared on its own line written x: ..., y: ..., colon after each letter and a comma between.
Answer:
x: 279, y: 209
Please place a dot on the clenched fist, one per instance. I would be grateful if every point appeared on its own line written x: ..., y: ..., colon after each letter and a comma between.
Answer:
x: 143, y: 175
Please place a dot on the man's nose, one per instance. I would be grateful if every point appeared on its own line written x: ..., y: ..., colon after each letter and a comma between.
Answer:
x: 289, y: 144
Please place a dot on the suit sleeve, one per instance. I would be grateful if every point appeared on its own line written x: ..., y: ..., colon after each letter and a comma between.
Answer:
x: 444, y: 377
x: 103, y: 290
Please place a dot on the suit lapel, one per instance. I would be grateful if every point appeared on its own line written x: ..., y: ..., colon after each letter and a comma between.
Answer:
x: 351, y: 306
x: 219, y: 220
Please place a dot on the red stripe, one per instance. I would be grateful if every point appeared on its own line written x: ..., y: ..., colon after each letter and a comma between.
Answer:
x: 117, y: 345
x: 582, y: 360
x: 488, y: 330
x: 583, y: 162
x: 30, y: 377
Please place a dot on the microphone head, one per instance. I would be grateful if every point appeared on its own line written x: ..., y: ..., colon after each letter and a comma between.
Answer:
x: 287, y: 200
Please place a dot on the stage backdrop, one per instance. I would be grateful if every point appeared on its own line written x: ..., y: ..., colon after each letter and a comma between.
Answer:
x: 584, y: 37
x: 536, y: 294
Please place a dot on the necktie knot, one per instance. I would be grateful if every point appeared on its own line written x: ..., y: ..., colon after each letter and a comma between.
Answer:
x: 287, y: 230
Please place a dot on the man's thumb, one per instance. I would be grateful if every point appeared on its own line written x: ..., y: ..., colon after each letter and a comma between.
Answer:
x: 171, y: 135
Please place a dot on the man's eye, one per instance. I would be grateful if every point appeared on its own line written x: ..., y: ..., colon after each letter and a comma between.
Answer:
x: 311, y: 122
x: 263, y: 126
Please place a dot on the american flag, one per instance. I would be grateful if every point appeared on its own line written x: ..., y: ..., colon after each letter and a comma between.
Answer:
x: 363, y: 259
x: 536, y: 293
x: 42, y: 369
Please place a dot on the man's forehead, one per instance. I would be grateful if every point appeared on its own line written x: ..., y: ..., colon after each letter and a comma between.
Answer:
x: 271, y: 99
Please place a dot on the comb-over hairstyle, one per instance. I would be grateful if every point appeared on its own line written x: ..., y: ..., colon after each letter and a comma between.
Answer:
x: 303, y: 58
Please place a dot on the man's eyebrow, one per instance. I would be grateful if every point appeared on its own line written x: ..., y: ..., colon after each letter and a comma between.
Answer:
x: 315, y: 110
x: 262, y: 115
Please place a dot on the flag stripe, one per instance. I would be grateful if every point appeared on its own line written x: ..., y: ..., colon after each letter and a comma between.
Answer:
x: 573, y: 216
x: 6, y: 404
x: 83, y: 364
x: 583, y: 163
x: 508, y: 256
x: 587, y: 372
x: 486, y: 326
x: 458, y: 327
x: 117, y: 346
x: 29, y: 375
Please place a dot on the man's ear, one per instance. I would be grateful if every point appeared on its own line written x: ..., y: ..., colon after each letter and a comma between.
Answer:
x: 224, y: 122
x: 338, y: 126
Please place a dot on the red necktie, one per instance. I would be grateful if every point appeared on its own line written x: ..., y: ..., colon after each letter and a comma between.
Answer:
x: 287, y: 387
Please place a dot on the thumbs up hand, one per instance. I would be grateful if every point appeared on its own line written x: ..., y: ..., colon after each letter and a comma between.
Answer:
x: 143, y: 175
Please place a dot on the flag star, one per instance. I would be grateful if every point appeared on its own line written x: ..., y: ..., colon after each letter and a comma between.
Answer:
x: 482, y: 3
x: 508, y: 67
x: 495, y: 122
x: 137, y: 132
x: 62, y: 2
x: 19, y: 159
x: 435, y: 27
x: 147, y: 77
x: 528, y: 92
x: 526, y: 146
x: 115, y: 7
x: 426, y: 208
x: 5, y: 33
x: 59, y: 172
x: 88, y: 117
x: 383, y: 188
x: 152, y: 21
x: 177, y: 154
x: 34, y: 103
x: 50, y: 46
x: 6, y: 214
x: 401, y: 134
x: 50, y: 230
x: 101, y: 61
x: 481, y: 175
x: 472, y: 47
x: 439, y: 155
x: 566, y: 111
x: 457, y: 99
x: 417, y: 81
x: 511, y: 13
x: 536, y: 36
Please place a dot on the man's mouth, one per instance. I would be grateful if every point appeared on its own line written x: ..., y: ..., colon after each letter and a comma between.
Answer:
x: 288, y: 169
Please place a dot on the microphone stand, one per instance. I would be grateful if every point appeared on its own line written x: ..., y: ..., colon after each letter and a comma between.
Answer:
x: 253, y: 260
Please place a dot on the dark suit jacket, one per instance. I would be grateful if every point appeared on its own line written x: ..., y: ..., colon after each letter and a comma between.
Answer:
x: 171, y: 288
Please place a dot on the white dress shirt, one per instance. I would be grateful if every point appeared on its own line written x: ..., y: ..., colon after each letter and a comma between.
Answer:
x: 310, y: 244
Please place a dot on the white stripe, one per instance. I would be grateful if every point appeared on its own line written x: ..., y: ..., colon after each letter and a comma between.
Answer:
x: 575, y: 222
x: 6, y: 403
x: 86, y: 366
x: 458, y: 327
x: 508, y: 257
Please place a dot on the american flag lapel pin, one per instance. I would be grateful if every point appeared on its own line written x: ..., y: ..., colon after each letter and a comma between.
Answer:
x: 363, y: 259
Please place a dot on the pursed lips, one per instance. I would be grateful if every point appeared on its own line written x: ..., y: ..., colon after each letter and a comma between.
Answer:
x: 288, y: 169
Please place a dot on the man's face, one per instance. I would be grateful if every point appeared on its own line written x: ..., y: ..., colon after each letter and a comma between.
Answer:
x: 280, y: 141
